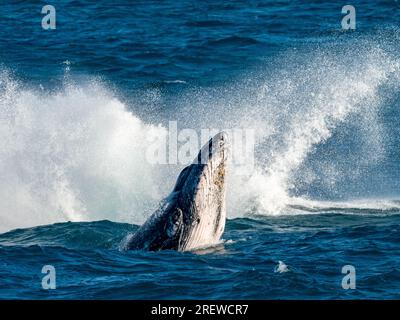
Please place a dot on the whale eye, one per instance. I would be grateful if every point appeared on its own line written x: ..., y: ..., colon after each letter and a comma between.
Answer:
x: 198, y: 220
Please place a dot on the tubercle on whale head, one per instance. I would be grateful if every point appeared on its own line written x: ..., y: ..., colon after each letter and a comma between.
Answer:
x: 213, y: 155
x: 215, y: 151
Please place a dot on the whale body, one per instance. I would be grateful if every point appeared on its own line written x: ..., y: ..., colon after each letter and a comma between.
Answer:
x: 193, y: 215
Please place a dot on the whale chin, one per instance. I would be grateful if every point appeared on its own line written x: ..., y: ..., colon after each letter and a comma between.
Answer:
x: 194, y: 214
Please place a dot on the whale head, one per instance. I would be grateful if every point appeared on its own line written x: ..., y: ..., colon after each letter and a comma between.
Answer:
x: 201, y: 193
x: 193, y: 215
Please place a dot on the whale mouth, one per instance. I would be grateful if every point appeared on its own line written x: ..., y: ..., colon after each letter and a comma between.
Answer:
x: 202, y: 195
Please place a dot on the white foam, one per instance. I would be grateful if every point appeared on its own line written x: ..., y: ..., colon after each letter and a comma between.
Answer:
x: 357, y: 206
x: 281, y: 267
x: 71, y: 155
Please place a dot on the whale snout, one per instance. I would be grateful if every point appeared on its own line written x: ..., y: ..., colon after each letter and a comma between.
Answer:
x: 215, y: 151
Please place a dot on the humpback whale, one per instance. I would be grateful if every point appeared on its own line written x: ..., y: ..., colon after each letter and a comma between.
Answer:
x: 193, y: 215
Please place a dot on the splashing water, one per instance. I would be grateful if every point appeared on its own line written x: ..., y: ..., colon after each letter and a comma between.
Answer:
x: 78, y: 153
x: 307, y: 106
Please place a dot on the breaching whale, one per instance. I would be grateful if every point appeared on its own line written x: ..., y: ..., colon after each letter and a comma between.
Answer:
x: 193, y: 215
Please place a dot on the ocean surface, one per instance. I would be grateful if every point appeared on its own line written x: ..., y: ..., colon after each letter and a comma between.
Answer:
x: 78, y: 103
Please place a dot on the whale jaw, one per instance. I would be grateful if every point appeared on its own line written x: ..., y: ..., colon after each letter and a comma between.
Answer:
x: 203, y: 195
x: 193, y: 215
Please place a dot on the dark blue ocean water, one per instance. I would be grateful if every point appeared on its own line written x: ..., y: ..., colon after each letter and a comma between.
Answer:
x: 77, y: 102
x: 315, y: 248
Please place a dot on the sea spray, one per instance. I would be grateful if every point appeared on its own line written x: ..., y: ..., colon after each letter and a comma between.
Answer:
x: 78, y: 153
x: 73, y: 154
